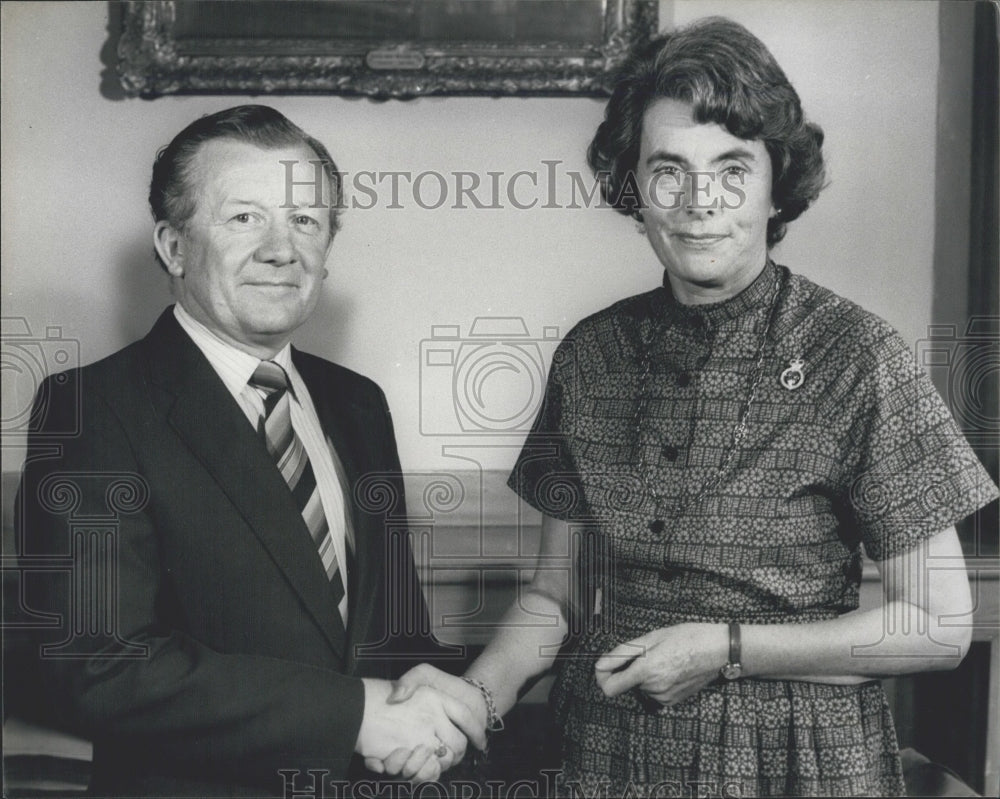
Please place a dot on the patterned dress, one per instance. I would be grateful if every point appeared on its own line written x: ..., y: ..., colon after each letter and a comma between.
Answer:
x: 639, y: 414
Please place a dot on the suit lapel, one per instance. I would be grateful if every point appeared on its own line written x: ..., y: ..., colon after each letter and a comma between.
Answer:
x: 213, y: 426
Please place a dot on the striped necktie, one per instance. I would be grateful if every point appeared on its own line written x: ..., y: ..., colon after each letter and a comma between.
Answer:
x: 292, y: 461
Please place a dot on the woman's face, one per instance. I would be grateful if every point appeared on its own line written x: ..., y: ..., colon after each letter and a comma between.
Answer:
x: 707, y: 199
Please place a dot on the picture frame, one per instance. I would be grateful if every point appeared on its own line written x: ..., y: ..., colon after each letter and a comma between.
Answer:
x: 379, y: 48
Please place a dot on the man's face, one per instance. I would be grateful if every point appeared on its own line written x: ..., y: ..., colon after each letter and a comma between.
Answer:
x: 248, y: 264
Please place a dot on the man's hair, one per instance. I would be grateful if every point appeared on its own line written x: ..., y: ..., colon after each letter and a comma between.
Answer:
x: 730, y: 78
x: 171, y: 191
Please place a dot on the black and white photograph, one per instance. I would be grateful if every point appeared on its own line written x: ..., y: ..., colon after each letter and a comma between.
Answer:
x: 500, y: 399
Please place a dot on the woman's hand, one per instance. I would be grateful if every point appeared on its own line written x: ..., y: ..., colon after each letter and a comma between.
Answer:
x: 668, y: 665
x: 468, y: 712
x: 455, y: 687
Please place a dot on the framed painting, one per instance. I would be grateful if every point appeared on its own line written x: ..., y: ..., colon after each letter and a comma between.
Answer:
x: 379, y: 48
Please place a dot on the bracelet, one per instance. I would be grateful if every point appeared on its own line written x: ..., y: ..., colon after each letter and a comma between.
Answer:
x: 493, y: 722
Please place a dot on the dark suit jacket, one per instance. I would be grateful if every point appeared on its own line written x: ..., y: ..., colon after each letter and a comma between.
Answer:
x: 195, y: 638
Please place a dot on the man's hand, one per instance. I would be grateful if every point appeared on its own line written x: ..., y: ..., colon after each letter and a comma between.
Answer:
x: 668, y: 665
x: 403, y: 738
x: 455, y: 687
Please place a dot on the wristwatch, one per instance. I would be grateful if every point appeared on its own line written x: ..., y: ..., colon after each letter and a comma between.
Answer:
x: 733, y: 669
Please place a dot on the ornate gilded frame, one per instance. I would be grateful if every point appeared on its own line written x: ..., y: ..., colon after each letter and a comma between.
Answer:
x: 152, y: 62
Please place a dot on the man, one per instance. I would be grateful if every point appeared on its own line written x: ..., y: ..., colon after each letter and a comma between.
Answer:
x: 237, y: 625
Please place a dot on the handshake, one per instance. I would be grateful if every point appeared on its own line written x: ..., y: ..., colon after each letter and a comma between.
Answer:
x: 419, y: 727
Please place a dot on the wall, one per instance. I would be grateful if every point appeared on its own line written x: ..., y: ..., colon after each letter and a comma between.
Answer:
x: 76, y: 251
x: 954, y: 158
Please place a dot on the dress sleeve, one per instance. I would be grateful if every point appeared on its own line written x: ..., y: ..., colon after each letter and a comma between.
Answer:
x: 916, y: 475
x: 545, y: 474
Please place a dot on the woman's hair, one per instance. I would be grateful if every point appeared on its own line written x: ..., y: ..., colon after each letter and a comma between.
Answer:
x: 172, y: 192
x: 730, y: 78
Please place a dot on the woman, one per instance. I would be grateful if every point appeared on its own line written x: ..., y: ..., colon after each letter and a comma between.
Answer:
x: 735, y: 439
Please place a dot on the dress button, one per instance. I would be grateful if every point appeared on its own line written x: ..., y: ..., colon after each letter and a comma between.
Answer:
x: 670, y: 452
x: 656, y: 526
x: 853, y: 570
x: 683, y: 379
x: 667, y: 574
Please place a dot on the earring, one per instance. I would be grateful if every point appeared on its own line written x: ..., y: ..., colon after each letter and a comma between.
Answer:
x: 640, y: 228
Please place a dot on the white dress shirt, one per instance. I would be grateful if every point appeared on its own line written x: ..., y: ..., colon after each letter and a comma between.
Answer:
x: 235, y: 368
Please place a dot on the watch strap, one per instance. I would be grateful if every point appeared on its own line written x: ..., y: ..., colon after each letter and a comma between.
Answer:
x: 735, y: 644
x: 733, y: 669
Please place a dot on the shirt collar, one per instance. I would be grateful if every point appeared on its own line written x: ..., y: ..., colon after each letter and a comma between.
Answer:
x: 233, y: 365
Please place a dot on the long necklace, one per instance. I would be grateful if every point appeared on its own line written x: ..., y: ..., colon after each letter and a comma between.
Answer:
x: 740, y: 428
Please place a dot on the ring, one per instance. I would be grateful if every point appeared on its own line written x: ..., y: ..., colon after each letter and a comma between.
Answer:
x: 441, y: 751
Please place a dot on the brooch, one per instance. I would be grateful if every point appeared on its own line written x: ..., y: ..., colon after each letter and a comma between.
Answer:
x: 792, y: 377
